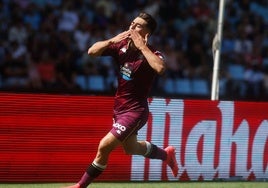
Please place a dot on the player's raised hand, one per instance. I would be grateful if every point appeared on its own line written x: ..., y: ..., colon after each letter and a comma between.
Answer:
x: 120, y: 37
x: 139, y: 41
x: 97, y: 48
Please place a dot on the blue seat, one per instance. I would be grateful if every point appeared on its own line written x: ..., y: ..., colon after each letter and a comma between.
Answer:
x: 81, y: 81
x: 236, y: 71
x: 183, y: 86
x: 222, y: 86
x: 169, y: 86
x: 200, y: 87
x: 96, y: 83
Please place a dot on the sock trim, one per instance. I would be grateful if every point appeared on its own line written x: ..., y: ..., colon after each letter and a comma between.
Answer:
x: 149, y: 148
x: 99, y: 166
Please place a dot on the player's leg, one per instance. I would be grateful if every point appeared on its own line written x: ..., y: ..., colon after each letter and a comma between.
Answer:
x: 106, y: 146
x: 134, y: 147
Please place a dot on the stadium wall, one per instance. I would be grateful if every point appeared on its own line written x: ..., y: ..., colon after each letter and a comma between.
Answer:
x: 52, y: 138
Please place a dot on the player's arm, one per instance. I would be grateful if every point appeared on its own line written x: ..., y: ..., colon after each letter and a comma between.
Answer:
x: 97, y: 48
x: 156, y: 62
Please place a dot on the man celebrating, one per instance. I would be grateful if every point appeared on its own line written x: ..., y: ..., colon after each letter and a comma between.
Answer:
x: 138, y: 64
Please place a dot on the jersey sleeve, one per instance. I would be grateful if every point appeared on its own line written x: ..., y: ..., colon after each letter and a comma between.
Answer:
x: 110, y: 51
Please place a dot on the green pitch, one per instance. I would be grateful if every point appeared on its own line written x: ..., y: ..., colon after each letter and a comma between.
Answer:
x: 150, y: 185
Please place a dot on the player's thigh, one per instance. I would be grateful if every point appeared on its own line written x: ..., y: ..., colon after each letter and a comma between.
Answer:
x: 131, y: 141
x: 109, y: 142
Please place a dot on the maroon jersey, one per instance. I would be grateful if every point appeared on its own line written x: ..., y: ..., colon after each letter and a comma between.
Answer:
x: 135, y: 77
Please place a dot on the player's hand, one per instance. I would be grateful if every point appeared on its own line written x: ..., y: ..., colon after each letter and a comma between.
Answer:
x: 138, y: 40
x: 120, y: 37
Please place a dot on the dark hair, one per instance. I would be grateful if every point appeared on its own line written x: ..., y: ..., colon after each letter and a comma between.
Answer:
x: 151, y: 22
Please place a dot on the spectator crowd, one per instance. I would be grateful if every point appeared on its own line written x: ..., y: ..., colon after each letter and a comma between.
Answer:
x: 44, y: 44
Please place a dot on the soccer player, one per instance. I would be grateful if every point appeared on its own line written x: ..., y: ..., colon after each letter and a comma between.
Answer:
x: 138, y: 65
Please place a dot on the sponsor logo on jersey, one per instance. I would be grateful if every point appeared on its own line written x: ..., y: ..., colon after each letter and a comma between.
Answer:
x: 126, y: 72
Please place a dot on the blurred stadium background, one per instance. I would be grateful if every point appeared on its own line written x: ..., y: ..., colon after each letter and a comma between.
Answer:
x: 44, y: 46
x: 43, y: 49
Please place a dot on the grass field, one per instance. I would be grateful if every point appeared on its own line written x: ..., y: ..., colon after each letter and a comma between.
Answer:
x: 150, y: 185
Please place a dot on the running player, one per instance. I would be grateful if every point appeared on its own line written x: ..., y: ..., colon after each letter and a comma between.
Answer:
x: 138, y: 64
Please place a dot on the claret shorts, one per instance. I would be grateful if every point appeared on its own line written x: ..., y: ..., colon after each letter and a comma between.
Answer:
x: 126, y: 124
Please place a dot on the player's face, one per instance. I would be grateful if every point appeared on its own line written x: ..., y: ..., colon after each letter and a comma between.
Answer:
x: 139, y: 25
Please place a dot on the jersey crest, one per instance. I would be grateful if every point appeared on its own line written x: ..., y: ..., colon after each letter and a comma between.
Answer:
x: 126, y: 72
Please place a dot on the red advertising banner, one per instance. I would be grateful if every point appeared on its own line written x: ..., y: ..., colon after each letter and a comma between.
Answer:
x: 53, y: 138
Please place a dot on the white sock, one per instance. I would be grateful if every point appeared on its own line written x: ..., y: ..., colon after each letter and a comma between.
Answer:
x: 149, y: 147
x: 99, y: 166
